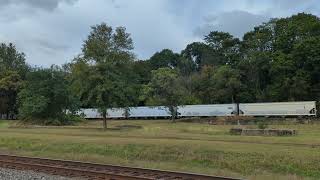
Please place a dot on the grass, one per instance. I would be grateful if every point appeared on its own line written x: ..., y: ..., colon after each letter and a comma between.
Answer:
x: 193, y: 147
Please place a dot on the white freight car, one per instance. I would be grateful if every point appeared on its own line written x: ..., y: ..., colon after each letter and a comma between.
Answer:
x: 90, y: 113
x: 304, y: 108
x: 207, y: 110
x: 149, y: 111
x: 116, y: 113
x: 95, y: 114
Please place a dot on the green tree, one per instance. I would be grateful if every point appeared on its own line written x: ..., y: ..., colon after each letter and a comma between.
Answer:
x: 142, y: 70
x: 306, y: 55
x: 280, y: 59
x: 218, y: 85
x: 103, y: 76
x: 164, y: 58
x: 45, y: 97
x: 165, y: 89
x: 199, y: 53
x: 257, y: 56
x: 225, y: 47
x: 12, y: 72
x: 292, y: 30
x: 227, y: 84
x: 186, y: 66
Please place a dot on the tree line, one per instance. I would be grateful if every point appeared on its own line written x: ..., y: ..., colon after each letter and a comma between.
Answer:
x: 277, y: 61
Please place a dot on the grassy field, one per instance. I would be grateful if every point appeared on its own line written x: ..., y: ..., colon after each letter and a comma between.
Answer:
x: 193, y: 147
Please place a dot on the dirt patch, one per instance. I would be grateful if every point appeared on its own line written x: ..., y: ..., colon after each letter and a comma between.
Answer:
x: 263, y: 132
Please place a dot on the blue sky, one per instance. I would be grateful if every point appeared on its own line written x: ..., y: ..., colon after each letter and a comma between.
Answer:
x: 52, y: 31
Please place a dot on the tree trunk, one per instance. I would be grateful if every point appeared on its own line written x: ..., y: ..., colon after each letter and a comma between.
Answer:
x: 237, y: 109
x: 104, y: 114
x: 237, y: 113
x: 104, y: 123
x: 173, y: 111
x: 232, y: 98
x: 173, y: 119
x: 126, y: 112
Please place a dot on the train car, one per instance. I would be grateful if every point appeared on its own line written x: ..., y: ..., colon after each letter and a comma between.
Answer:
x: 207, y: 110
x: 149, y: 111
x: 90, y: 113
x: 304, y: 108
x: 116, y: 113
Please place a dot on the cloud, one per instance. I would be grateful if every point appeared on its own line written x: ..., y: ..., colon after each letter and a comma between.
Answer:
x: 52, y: 31
x: 235, y: 22
x: 288, y: 4
x: 41, y: 4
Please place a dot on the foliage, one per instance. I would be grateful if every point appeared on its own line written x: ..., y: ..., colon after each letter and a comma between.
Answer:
x: 165, y: 89
x: 45, y: 97
x: 165, y: 58
x: 279, y: 62
x: 12, y: 72
x: 218, y: 85
x: 103, y: 77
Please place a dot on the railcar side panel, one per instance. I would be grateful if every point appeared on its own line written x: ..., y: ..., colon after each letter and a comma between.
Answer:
x: 305, y: 108
x: 90, y: 113
x: 207, y: 110
x: 149, y: 111
x: 116, y: 113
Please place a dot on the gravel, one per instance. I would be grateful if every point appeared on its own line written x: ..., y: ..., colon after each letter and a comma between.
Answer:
x: 10, y: 174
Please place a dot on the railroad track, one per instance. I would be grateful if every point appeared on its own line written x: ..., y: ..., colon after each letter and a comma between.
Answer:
x: 84, y: 170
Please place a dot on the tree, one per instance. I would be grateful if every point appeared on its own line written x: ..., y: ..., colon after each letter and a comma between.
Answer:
x: 227, y: 84
x: 257, y: 55
x: 186, y: 66
x: 292, y: 30
x: 218, y: 48
x: 199, y: 53
x: 306, y: 56
x: 165, y: 89
x: 103, y: 76
x: 12, y: 72
x: 10, y: 83
x: 255, y: 75
x: 164, y: 58
x: 225, y: 48
x: 280, y: 60
x: 204, y: 85
x: 45, y: 97
x: 218, y: 85
x: 142, y: 70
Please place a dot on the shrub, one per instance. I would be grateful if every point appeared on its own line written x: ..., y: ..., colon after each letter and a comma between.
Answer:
x: 45, y: 96
x: 66, y: 119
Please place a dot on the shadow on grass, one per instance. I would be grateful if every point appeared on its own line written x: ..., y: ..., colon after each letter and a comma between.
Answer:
x: 125, y: 127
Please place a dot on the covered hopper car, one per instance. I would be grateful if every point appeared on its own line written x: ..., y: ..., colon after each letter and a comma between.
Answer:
x: 302, y: 108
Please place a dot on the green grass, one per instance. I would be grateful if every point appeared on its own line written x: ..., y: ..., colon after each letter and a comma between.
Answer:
x: 4, y: 124
x: 192, y: 147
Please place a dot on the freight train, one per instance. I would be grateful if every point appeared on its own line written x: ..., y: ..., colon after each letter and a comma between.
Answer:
x: 283, y: 109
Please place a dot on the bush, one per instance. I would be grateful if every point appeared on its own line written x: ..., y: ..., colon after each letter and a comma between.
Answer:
x: 67, y: 119
x: 45, y: 96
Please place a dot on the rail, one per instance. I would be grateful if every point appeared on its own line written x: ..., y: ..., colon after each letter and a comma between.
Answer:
x: 87, y: 170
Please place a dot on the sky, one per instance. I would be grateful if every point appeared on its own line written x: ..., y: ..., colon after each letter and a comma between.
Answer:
x: 53, y: 31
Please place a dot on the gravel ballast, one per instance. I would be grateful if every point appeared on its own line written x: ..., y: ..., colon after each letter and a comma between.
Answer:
x: 11, y: 174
